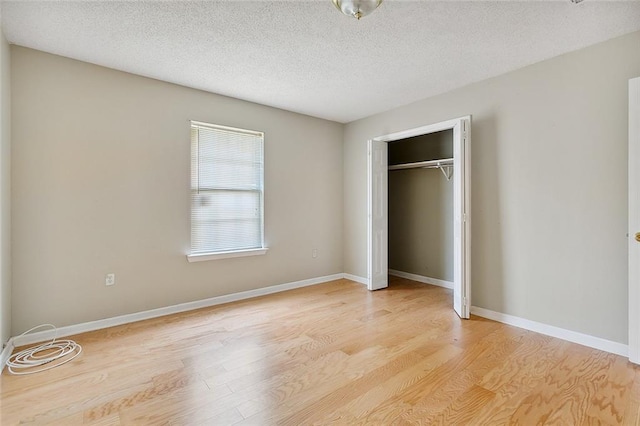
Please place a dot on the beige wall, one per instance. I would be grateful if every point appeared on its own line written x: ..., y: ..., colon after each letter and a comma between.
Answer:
x: 5, y: 191
x: 549, y: 186
x: 101, y: 184
x: 421, y: 223
x: 421, y: 208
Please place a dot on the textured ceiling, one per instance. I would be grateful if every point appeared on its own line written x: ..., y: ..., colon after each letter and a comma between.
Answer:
x: 305, y: 56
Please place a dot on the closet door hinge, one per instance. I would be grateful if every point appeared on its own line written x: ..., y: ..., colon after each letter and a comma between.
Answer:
x: 464, y: 217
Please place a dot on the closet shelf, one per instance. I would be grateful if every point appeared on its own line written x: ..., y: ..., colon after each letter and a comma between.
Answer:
x: 431, y: 164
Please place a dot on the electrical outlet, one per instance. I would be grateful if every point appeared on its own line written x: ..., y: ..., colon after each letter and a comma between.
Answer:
x: 314, y: 253
x: 110, y: 279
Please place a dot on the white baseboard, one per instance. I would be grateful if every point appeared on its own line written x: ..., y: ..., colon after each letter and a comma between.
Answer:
x: 421, y: 279
x: 571, y: 336
x: 356, y: 278
x: 6, y: 354
x: 168, y: 310
x: 549, y: 330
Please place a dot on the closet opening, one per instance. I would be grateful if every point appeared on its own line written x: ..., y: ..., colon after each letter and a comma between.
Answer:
x: 441, y: 149
x: 421, y: 208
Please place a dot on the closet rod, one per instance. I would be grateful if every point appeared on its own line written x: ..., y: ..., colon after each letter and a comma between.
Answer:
x: 424, y: 164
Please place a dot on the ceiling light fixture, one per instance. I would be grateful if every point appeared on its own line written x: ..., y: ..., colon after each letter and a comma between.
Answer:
x: 356, y: 8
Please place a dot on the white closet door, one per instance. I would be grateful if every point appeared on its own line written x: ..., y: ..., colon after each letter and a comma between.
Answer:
x: 634, y: 220
x: 378, y: 216
x: 461, y: 218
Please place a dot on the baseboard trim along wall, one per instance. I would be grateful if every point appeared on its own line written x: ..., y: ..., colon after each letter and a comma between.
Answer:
x: 571, y: 336
x: 549, y: 330
x: 356, y: 278
x: 168, y: 310
x: 421, y: 279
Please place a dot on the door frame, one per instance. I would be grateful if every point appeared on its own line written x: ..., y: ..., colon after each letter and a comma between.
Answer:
x: 634, y: 220
x: 462, y: 211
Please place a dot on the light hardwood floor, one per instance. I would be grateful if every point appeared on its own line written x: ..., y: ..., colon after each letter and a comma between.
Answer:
x: 328, y: 354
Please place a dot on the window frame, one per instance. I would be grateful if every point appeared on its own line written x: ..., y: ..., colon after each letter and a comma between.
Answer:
x: 225, y: 254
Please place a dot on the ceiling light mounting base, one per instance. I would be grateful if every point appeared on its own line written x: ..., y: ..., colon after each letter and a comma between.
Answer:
x: 356, y: 8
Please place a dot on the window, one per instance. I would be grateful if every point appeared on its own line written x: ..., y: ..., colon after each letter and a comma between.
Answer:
x: 227, y: 192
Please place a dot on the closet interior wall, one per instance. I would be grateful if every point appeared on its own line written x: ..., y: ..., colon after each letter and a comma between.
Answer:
x: 421, y: 208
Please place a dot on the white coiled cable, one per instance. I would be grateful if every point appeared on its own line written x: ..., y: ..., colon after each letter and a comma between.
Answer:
x: 53, y: 353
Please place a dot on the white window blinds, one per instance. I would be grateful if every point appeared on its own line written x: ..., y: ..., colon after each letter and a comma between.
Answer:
x: 227, y: 190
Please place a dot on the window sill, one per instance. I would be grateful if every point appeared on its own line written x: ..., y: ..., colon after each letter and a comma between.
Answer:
x: 225, y: 254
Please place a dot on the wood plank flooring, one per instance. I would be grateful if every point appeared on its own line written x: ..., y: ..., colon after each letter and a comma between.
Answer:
x: 328, y: 354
